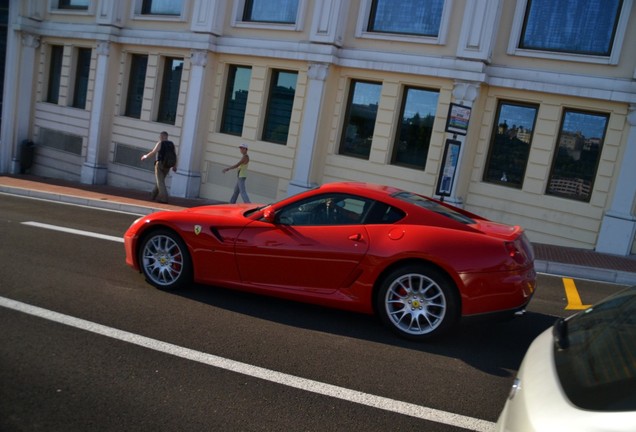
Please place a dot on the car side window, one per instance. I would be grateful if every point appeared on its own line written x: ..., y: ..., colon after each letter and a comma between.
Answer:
x: 381, y: 213
x: 325, y: 210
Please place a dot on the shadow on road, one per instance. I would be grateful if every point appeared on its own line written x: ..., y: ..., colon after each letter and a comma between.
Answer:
x: 494, y: 347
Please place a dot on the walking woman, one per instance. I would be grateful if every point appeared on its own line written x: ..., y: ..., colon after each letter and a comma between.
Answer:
x: 242, y: 176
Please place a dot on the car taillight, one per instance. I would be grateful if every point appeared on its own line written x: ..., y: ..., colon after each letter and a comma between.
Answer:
x: 515, y: 252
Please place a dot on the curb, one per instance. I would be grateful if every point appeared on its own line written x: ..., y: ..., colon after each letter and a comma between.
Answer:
x: 584, y: 272
x: 102, y: 204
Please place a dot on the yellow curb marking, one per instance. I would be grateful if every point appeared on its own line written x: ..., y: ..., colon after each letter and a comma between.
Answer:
x: 572, y: 294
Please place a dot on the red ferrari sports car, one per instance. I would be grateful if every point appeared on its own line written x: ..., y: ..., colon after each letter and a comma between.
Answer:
x: 416, y: 262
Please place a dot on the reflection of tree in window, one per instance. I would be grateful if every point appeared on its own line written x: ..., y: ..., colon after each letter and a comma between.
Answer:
x: 236, y: 99
x: 362, y: 110
x: 577, y: 155
x: 510, y: 144
x: 279, y: 106
x: 416, y: 127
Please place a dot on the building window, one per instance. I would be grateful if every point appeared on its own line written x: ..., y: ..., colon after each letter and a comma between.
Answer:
x: 585, y: 27
x: 238, y: 84
x: 362, y: 110
x: 170, y: 90
x: 416, y: 127
x: 577, y: 155
x: 161, y: 7
x: 82, y: 71
x: 55, y: 73
x: 414, y: 17
x: 136, y: 84
x: 279, y: 106
x: 271, y: 11
x: 73, y: 4
x: 510, y: 144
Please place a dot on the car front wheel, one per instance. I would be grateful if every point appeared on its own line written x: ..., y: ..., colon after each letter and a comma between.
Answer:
x: 418, y: 302
x: 165, y: 261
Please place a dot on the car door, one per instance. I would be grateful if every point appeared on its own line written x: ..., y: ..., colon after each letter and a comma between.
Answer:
x: 303, y: 249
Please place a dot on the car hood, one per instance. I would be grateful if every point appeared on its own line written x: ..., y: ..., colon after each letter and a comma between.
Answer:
x: 226, y: 210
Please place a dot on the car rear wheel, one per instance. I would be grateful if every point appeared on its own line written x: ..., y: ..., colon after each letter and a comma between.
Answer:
x: 165, y: 261
x: 418, y: 302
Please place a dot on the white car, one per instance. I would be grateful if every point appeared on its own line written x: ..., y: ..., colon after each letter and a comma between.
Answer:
x: 580, y: 375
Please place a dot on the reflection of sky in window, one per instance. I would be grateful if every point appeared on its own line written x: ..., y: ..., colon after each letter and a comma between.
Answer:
x: 571, y: 25
x: 177, y: 64
x: 414, y: 16
x: 168, y: 7
x: 241, y: 80
x: 287, y: 80
x: 83, y: 3
x: 590, y: 125
x: 421, y: 102
x: 518, y: 116
x: 366, y: 94
x: 274, y: 11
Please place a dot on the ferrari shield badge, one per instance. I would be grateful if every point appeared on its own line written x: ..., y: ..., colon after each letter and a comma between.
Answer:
x: 197, y: 229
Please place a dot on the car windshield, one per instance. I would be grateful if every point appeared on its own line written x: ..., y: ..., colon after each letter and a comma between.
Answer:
x: 433, y: 206
x: 595, y: 355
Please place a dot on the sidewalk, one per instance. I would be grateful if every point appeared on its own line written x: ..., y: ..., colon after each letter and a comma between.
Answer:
x: 554, y: 260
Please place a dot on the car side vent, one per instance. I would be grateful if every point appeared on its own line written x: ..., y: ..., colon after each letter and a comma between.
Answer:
x: 215, y: 232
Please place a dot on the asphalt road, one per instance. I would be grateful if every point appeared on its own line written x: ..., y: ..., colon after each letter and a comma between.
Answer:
x: 87, y: 344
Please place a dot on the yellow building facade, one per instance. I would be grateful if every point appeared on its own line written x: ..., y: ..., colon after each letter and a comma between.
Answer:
x: 521, y: 111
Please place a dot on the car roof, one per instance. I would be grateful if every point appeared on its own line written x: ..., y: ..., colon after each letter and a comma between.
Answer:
x: 367, y: 189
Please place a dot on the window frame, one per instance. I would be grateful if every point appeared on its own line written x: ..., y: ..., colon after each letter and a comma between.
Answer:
x: 140, y: 7
x: 398, y: 132
x: 128, y: 106
x: 162, y: 110
x: 66, y: 5
x: 347, y: 117
x: 557, y: 147
x: 229, y: 89
x: 493, y: 136
x: 298, y: 25
x: 273, y: 80
x: 364, y: 15
x: 80, y: 88
x: 613, y: 59
x: 55, y: 74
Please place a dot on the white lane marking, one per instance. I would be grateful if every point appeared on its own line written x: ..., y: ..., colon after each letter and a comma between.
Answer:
x: 379, y: 402
x: 74, y: 231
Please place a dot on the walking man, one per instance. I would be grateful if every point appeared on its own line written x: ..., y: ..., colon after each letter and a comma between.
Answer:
x: 165, y: 158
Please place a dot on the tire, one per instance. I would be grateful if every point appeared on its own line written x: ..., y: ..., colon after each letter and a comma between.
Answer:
x: 418, y: 302
x: 165, y: 261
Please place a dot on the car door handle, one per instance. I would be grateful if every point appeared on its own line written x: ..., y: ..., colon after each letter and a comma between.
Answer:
x: 355, y: 237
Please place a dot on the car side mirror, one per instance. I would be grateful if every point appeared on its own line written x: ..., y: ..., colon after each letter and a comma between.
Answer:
x: 269, y: 215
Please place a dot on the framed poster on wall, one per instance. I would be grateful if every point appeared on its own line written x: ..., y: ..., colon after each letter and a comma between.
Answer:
x: 458, y: 118
x: 448, y: 169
